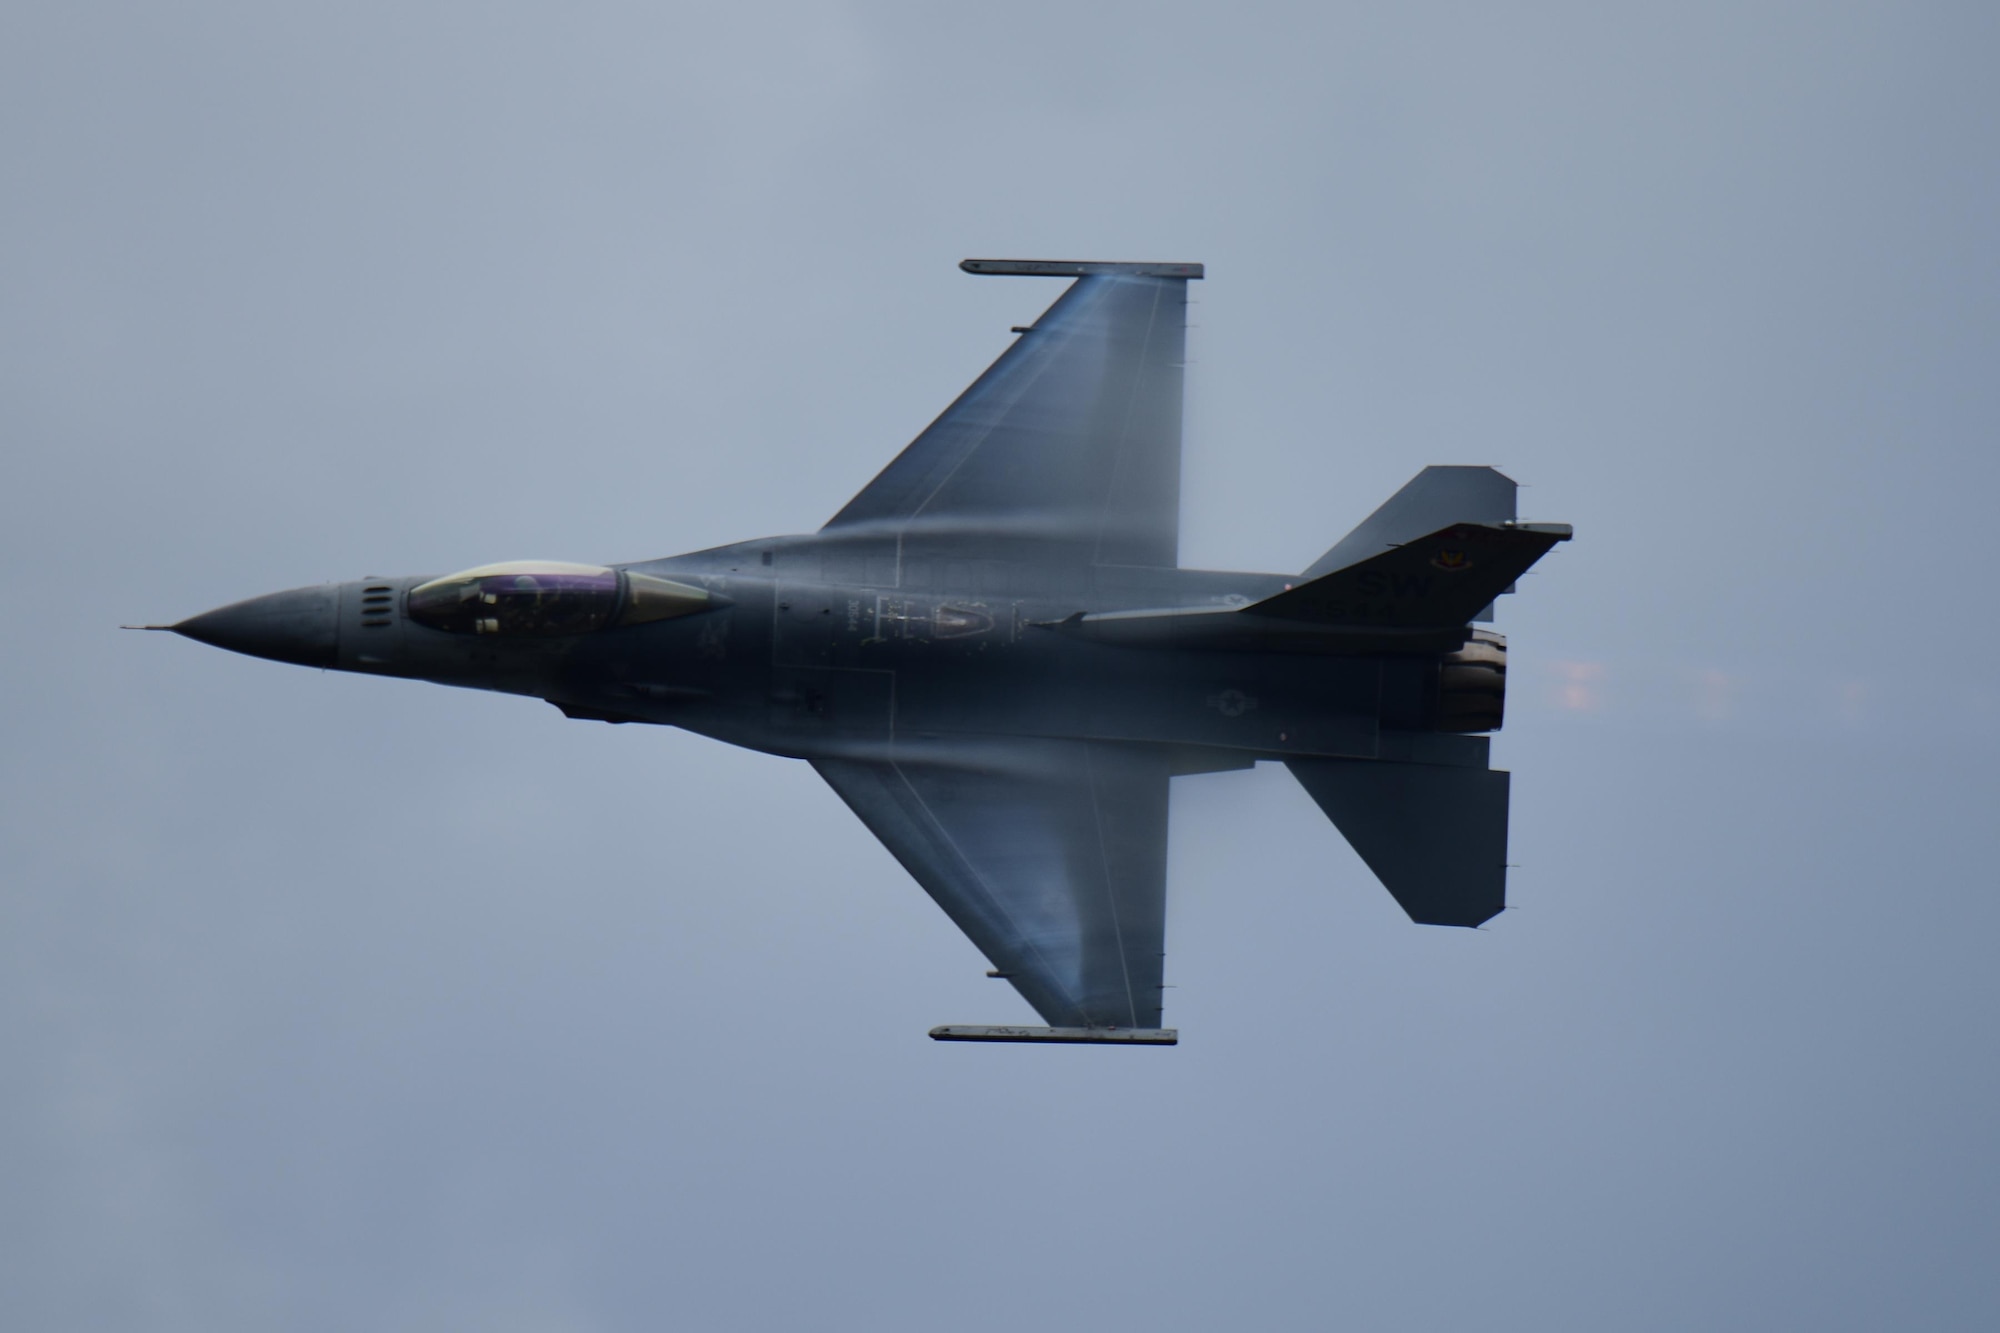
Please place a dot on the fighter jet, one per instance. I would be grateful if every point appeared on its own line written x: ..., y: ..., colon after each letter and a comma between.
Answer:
x: 993, y: 656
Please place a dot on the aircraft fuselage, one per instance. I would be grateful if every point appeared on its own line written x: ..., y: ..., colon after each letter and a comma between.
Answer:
x: 790, y: 661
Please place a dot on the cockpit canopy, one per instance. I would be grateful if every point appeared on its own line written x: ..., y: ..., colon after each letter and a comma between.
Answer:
x: 548, y: 599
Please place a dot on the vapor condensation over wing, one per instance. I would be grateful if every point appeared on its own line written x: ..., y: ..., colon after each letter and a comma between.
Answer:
x: 1050, y: 855
x: 1067, y: 450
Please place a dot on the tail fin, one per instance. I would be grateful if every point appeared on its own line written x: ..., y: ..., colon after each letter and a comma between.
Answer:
x: 1435, y: 498
x: 1436, y: 581
x: 1434, y: 834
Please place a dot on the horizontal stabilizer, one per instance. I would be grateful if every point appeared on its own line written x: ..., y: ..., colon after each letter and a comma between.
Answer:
x: 1445, y: 578
x: 1435, y: 498
x: 1435, y: 835
x: 1063, y: 1036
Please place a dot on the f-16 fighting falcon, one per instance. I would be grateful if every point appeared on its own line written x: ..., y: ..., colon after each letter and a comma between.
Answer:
x: 992, y: 655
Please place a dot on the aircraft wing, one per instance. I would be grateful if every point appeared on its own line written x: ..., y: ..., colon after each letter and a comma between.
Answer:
x: 1068, y: 449
x: 1050, y: 855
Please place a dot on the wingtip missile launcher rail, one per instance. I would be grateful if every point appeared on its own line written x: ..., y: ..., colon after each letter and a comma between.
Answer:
x: 1059, y: 1036
x: 1076, y: 268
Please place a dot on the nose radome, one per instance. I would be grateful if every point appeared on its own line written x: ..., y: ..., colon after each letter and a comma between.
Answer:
x: 300, y: 626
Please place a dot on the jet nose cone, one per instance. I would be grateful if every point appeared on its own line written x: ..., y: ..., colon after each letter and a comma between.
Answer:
x: 301, y: 626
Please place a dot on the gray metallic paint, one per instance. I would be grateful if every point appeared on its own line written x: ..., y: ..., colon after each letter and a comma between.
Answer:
x: 992, y: 657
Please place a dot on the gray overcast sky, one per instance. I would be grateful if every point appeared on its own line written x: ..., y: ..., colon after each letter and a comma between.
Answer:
x: 335, y: 1003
